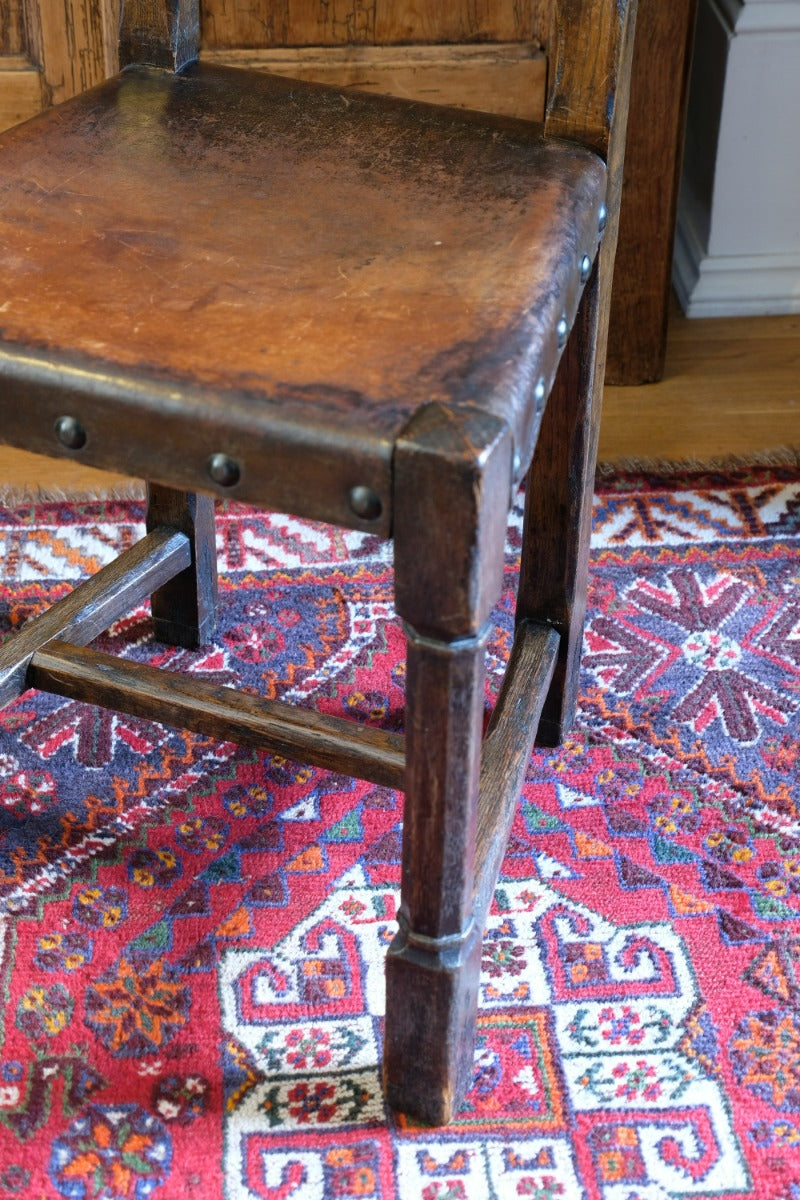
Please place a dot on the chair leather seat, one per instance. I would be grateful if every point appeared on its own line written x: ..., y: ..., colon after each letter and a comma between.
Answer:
x: 220, y: 269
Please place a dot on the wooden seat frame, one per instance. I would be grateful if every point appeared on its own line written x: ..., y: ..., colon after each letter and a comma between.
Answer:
x: 451, y: 485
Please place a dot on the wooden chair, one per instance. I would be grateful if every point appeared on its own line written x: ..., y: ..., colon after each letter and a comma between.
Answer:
x: 350, y: 308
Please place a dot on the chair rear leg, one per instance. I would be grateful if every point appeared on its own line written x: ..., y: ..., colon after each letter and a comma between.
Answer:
x: 185, y: 609
x: 558, y: 513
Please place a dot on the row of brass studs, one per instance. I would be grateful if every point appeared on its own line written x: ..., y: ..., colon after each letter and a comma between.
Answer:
x: 562, y: 329
x: 223, y: 470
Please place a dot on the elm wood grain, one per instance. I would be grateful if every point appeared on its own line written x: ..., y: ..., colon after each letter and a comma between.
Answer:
x: 340, y: 22
x: 20, y: 91
x: 507, y: 749
x: 72, y: 43
x: 588, y: 101
x: 94, y: 604
x: 640, y: 297
x: 508, y: 78
x: 185, y: 608
x: 50, y: 52
x: 12, y: 28
x: 187, y: 702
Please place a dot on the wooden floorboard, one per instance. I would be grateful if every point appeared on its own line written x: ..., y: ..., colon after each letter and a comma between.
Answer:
x: 731, y: 391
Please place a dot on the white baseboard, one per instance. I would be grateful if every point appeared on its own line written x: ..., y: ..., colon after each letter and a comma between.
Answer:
x: 760, y: 16
x: 745, y: 285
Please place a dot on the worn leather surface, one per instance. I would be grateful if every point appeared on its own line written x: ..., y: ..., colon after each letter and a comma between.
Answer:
x: 340, y: 259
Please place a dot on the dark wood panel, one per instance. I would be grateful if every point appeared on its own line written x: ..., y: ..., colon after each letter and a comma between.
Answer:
x: 369, y: 22
x: 508, y: 78
x: 640, y: 298
x: 12, y: 28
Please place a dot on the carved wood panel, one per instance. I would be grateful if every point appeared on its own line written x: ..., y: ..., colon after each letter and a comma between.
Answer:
x: 12, y: 28
x: 51, y: 50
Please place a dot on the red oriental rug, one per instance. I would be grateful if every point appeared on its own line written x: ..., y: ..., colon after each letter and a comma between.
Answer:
x: 192, y: 934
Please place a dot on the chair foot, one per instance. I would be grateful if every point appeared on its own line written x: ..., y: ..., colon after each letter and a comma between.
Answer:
x: 431, y: 1007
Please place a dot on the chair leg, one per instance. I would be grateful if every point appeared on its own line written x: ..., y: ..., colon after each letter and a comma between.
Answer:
x: 185, y: 608
x: 558, y: 514
x: 452, y: 483
x: 433, y: 964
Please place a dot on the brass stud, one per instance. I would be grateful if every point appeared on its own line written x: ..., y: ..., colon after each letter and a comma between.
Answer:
x: 602, y: 218
x: 586, y: 268
x: 224, y: 470
x: 562, y: 332
x: 365, y: 503
x: 539, y: 394
x: 70, y: 433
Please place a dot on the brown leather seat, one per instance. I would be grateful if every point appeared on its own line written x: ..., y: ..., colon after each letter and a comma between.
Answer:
x: 308, y: 269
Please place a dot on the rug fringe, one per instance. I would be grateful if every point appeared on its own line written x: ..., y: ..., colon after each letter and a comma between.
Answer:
x: 14, y: 496
x: 782, y: 456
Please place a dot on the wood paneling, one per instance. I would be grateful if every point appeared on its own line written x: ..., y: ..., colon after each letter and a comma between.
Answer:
x: 73, y: 42
x: 20, y: 81
x: 12, y: 27
x: 228, y: 23
x: 51, y: 50
x: 20, y: 90
x: 508, y: 78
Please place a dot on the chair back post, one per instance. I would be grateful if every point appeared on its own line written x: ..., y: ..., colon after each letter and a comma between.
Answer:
x: 589, y: 86
x: 591, y: 47
x: 159, y: 33
x: 588, y: 96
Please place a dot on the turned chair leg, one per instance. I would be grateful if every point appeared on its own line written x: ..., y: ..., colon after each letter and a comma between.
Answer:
x: 452, y: 478
x: 433, y: 964
x: 185, y: 608
x: 558, y: 515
